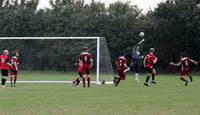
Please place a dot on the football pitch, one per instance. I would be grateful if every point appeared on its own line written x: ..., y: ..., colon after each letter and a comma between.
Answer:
x: 168, y: 97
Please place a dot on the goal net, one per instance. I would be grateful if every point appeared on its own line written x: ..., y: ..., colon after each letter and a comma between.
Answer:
x: 52, y: 59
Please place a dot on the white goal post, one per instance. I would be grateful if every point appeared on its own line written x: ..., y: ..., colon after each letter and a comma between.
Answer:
x: 104, y: 69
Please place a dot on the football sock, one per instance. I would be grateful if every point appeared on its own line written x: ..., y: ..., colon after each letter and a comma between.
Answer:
x: 15, y: 79
x: 83, y: 82
x: 191, y: 78
x: 88, y: 80
x: 117, y: 82
x: 3, y: 81
x: 153, y: 77
x: 77, y: 81
x: 115, y: 78
x: 11, y: 80
x: 136, y: 76
x: 147, y: 79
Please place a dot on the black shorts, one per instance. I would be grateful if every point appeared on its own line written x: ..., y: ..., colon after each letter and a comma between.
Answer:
x: 149, y: 70
x: 135, y: 68
x: 4, y: 73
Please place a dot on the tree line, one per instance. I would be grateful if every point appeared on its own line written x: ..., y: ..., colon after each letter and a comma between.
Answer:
x: 173, y: 27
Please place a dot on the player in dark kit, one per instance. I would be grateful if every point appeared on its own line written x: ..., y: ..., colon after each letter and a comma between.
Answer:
x: 86, y: 59
x: 134, y: 62
x: 4, y: 64
x: 149, y: 61
x: 14, y: 69
x: 122, y: 68
x: 79, y: 65
x: 185, y: 67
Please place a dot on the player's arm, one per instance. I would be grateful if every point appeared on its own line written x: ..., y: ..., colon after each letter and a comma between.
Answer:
x: 155, y: 60
x: 91, y: 61
x: 175, y: 64
x: 9, y: 64
x: 141, y: 57
x: 196, y: 63
x: 77, y: 62
x: 116, y: 63
x: 127, y: 68
x: 144, y: 62
x: 15, y: 64
x: 131, y: 64
x: 7, y: 60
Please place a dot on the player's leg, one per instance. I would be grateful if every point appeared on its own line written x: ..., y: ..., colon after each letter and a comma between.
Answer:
x: 121, y: 77
x: 88, y: 80
x: 84, y: 75
x: 84, y: 78
x: 4, y: 77
x: 78, y: 80
x: 15, y: 78
x: 88, y: 76
x: 148, y: 77
x: 3, y: 81
x: 182, y: 77
x: 136, y: 73
x: 117, y: 79
x: 11, y: 80
x: 190, y: 76
x: 153, y: 76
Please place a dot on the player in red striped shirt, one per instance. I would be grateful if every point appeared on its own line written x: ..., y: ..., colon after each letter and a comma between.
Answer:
x: 4, y: 64
x: 86, y: 58
x: 14, y: 69
x: 79, y: 65
x: 149, y: 62
x: 122, y: 68
x: 185, y: 67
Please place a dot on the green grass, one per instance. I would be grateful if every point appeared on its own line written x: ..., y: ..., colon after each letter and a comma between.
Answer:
x: 169, y: 97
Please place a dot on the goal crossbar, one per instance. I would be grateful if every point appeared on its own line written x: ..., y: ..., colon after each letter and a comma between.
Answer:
x: 50, y: 38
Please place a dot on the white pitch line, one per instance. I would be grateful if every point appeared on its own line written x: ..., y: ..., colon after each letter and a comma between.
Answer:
x: 108, y: 82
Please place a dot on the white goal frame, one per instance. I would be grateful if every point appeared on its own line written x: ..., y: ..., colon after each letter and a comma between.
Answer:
x: 69, y: 38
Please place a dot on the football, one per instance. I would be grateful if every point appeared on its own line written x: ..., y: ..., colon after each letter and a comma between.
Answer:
x: 141, y: 34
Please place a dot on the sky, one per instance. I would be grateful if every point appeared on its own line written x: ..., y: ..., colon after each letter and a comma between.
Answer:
x: 143, y: 4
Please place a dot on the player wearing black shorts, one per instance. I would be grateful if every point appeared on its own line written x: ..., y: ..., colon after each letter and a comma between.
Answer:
x: 4, y: 64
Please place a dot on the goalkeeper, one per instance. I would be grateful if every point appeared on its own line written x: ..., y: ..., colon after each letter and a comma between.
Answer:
x: 135, y: 56
x: 134, y: 62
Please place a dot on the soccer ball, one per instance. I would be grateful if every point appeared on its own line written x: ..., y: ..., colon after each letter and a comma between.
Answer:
x: 141, y: 34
